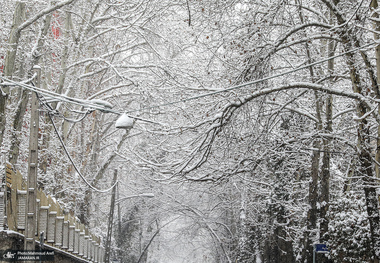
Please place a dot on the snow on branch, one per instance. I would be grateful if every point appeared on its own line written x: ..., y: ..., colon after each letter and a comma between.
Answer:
x: 42, y: 13
x: 298, y: 28
x: 200, y: 153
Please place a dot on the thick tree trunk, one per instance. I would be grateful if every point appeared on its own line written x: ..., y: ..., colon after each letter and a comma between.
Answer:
x: 372, y: 200
x: 17, y: 125
x: 375, y: 5
x: 325, y: 176
x: 325, y: 179
x: 370, y: 190
x: 9, y: 63
x: 312, y: 215
x: 313, y: 193
x: 365, y: 165
x: 21, y: 107
x: 365, y: 160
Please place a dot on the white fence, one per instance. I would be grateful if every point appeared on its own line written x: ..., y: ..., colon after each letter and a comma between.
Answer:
x: 61, y: 230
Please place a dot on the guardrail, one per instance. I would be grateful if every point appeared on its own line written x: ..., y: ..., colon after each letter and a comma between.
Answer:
x: 61, y: 230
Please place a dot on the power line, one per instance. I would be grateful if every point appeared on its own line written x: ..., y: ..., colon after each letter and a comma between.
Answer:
x: 60, y: 97
x: 93, y: 106
x: 73, y: 163
x: 54, y: 112
x: 63, y: 98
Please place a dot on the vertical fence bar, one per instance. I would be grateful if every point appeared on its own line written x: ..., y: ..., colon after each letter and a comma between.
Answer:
x: 71, y: 237
x: 89, y: 248
x: 59, y: 230
x: 43, y: 218
x: 81, y: 240
x: 96, y: 252
x: 52, y: 215
x: 101, y: 254
x: 42, y: 213
x: 21, y: 209
x: 93, y: 249
x: 65, y: 232
x: 51, y: 227
x: 2, y: 210
x: 85, y: 247
x: 76, y: 240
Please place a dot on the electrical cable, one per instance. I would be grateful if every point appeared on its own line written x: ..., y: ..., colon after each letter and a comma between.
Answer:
x: 59, y: 97
x: 73, y: 163
x: 52, y: 112
x: 87, y: 104
x: 56, y: 113
x: 90, y: 105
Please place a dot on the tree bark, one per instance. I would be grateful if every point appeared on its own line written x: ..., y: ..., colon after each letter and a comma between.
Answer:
x: 9, y: 63
x: 325, y: 176
x: 365, y: 160
x: 365, y: 163
x: 312, y: 214
x: 23, y: 102
x: 313, y: 194
x: 375, y: 5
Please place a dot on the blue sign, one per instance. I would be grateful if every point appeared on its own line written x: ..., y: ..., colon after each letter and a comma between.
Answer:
x: 321, y: 248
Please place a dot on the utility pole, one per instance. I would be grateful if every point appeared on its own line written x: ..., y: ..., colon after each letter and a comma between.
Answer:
x: 110, y: 219
x: 118, y: 226
x: 30, y: 219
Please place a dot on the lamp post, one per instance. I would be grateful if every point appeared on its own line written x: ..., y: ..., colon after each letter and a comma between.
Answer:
x: 123, y: 122
x: 110, y: 217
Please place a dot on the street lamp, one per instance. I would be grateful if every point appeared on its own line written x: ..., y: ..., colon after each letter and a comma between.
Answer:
x: 123, y: 122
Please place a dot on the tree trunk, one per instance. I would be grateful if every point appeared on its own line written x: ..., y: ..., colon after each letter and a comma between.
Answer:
x: 17, y: 125
x: 375, y: 5
x: 325, y: 176
x: 313, y: 193
x: 365, y: 164
x: 365, y: 160
x: 9, y: 63
x: 21, y: 107
x: 312, y: 216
